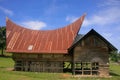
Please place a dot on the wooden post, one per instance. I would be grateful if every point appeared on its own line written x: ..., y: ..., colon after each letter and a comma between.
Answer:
x: 82, y: 67
x: 91, y: 68
x: 73, y: 65
x: 15, y: 65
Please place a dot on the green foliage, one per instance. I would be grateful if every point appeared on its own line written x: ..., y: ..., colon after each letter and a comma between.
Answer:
x: 2, y: 39
x: 115, y: 56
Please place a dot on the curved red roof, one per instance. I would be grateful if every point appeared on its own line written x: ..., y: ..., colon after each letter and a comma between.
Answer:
x: 23, y: 40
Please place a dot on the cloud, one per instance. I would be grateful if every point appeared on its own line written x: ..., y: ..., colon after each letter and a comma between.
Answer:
x: 107, y: 21
x: 107, y: 35
x: 55, y: 7
x: 71, y: 18
x: 104, y: 17
x: 109, y: 14
x: 36, y: 25
x: 109, y: 3
x: 52, y: 8
x: 6, y: 11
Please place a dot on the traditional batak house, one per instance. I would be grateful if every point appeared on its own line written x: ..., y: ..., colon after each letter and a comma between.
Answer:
x: 59, y: 50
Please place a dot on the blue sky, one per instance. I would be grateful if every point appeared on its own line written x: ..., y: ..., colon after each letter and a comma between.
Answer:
x: 102, y: 15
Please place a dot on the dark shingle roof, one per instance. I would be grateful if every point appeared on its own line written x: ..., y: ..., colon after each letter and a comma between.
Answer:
x: 78, y: 37
x: 93, y: 32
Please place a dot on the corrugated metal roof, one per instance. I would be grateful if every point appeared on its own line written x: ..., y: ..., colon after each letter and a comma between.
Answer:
x: 23, y: 40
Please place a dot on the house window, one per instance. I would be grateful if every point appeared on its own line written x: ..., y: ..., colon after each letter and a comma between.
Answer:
x: 67, y: 66
x: 30, y: 47
x: 87, y: 68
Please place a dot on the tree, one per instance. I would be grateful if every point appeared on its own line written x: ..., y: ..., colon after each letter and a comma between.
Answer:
x: 2, y: 39
x: 114, y: 56
x: 119, y: 56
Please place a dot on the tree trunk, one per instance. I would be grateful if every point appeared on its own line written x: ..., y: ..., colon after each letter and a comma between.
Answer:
x: 2, y: 51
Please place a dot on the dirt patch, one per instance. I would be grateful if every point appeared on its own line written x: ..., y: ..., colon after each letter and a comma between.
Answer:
x: 10, y: 69
x: 64, y: 76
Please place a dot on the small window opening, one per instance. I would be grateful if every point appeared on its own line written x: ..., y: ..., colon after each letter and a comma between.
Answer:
x: 87, y: 68
x: 30, y: 47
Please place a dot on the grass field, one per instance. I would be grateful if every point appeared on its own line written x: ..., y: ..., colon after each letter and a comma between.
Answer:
x: 6, y: 73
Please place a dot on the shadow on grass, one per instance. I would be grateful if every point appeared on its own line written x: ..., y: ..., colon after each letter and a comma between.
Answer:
x: 5, y: 56
x: 2, y: 67
x: 114, y: 74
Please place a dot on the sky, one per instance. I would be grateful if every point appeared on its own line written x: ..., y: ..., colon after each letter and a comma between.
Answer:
x: 101, y: 15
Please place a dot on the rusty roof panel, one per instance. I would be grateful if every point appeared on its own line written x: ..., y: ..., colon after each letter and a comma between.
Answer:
x: 23, y: 40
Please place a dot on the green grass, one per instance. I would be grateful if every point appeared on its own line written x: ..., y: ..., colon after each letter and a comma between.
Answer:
x: 6, y: 64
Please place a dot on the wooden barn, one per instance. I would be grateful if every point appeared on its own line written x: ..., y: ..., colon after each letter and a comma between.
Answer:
x: 59, y: 50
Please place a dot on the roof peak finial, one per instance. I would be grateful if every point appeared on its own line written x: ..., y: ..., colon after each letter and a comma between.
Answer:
x: 6, y: 18
x: 85, y: 14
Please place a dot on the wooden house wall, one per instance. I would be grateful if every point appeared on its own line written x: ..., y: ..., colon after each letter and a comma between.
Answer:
x: 40, y: 62
x: 88, y: 50
x: 92, y: 49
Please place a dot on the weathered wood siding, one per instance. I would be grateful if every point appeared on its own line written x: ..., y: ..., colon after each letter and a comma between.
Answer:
x: 91, y: 52
x: 42, y: 57
x: 93, y: 49
x: 40, y: 62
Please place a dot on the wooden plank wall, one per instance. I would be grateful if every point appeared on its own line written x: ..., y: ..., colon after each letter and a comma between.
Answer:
x: 40, y: 62
x: 92, y: 49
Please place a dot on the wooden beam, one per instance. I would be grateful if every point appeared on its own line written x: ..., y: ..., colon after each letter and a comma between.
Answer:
x: 73, y: 65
